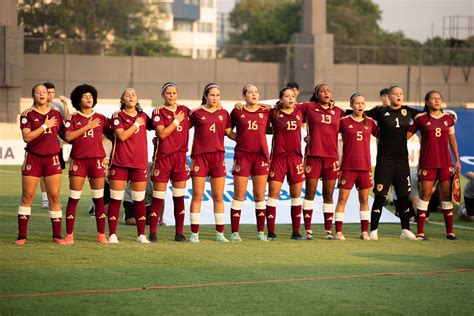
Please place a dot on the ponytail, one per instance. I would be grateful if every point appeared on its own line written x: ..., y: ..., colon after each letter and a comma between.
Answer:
x: 208, y: 87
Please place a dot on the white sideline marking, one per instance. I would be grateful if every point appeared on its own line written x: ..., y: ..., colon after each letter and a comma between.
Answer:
x: 455, y: 226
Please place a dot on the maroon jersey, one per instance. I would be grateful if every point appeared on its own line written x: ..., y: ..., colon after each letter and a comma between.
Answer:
x: 178, y: 139
x: 47, y: 143
x: 434, y: 151
x: 323, y: 124
x: 133, y: 152
x: 286, y: 132
x: 88, y: 145
x: 251, y: 130
x: 356, y: 143
x: 209, y: 130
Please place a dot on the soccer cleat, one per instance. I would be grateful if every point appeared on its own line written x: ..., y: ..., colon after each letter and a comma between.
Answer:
x: 20, y: 241
x: 102, y: 239
x: 328, y: 235
x: 308, y: 236
x: 142, y: 239
x: 152, y: 237
x: 180, y: 238
x: 220, y: 237
x: 113, y: 239
x: 339, y: 236
x: 272, y: 237
x: 69, y: 239
x: 45, y: 204
x: 451, y: 237
x: 235, y: 237
x: 194, y: 237
x: 374, y: 235
x: 59, y: 241
x: 422, y: 237
x: 261, y: 236
x: 364, y: 236
x: 296, y: 236
x: 407, y: 235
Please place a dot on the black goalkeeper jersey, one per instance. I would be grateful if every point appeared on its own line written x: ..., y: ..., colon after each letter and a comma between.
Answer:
x: 393, y: 127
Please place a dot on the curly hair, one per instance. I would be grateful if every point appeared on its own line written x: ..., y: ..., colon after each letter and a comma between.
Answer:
x: 79, y: 91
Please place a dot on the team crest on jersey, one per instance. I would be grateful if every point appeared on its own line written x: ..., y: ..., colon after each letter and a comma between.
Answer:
x: 24, y: 120
x: 156, y: 172
x: 28, y: 167
x: 272, y: 174
x: 112, y: 172
x: 67, y: 124
x: 424, y: 172
x: 196, y: 168
x: 75, y: 167
x: 450, y: 169
x: 332, y: 112
x: 157, y: 118
x: 404, y: 112
x: 221, y: 118
x: 379, y: 187
x: 308, y: 169
x: 343, y: 181
x: 116, y: 122
x: 237, y: 168
x: 445, y: 123
x: 260, y: 115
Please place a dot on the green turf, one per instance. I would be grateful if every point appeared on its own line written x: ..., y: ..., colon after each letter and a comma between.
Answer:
x: 42, y: 267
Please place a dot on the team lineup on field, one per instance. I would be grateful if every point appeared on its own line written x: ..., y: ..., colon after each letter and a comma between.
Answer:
x: 247, y: 124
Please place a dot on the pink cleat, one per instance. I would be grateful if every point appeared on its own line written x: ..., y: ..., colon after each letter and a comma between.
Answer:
x: 69, y: 239
x: 102, y: 239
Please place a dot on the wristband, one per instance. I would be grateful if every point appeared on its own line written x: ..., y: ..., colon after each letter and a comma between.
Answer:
x: 176, y: 122
x: 44, y: 126
x: 137, y: 125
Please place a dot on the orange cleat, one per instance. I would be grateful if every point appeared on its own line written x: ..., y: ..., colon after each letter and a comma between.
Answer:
x: 102, y: 239
x: 69, y: 239
x: 59, y: 241
x: 20, y: 241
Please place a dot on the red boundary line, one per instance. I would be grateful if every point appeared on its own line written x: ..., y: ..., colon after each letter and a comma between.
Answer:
x: 185, y: 286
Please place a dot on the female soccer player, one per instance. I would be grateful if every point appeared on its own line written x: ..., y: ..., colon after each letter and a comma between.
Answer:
x: 84, y: 131
x: 129, y: 162
x: 211, y: 124
x: 171, y: 123
x: 355, y: 167
x: 286, y: 159
x: 392, y: 166
x: 437, y: 131
x: 323, y: 119
x: 40, y: 126
x: 251, y: 158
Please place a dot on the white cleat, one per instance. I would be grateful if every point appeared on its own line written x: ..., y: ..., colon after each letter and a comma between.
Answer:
x: 194, y: 237
x: 113, y: 239
x: 374, y: 235
x: 141, y: 239
x: 407, y: 235
x: 339, y: 236
x: 45, y: 204
x: 220, y: 237
x: 364, y: 236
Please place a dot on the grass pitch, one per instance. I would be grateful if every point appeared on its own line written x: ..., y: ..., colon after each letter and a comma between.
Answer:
x: 390, y: 276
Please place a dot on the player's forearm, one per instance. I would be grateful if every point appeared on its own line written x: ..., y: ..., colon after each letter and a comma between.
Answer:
x: 72, y: 135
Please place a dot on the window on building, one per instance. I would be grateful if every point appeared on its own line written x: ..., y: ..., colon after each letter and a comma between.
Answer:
x: 204, y: 53
x: 185, y: 51
x: 207, y: 3
x: 183, y: 26
x: 205, y: 27
x: 194, y: 2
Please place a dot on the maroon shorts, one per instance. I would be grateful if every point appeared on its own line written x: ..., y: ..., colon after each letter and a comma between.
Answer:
x: 208, y: 165
x: 361, y: 179
x: 321, y: 167
x: 289, y: 165
x: 91, y: 167
x: 172, y: 167
x: 251, y: 165
x: 125, y: 174
x: 440, y: 174
x: 41, y: 166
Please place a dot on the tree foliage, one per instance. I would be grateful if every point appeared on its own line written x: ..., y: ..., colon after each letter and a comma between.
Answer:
x: 90, y: 26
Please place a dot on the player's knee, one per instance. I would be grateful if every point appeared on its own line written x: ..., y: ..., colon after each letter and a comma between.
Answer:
x: 54, y: 198
x: 197, y: 195
x: 259, y: 196
x: 217, y: 197
x: 27, y: 197
x: 363, y: 200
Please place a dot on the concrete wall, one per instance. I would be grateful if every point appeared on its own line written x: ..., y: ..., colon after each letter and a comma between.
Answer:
x: 415, y: 81
x: 147, y: 74
x: 111, y: 75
